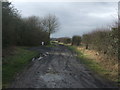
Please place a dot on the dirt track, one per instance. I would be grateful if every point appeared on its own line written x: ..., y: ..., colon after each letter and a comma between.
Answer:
x: 58, y: 69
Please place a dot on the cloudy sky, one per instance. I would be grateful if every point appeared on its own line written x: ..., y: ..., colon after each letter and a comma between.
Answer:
x: 75, y: 18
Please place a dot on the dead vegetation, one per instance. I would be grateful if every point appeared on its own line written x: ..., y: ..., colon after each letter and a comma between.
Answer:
x: 109, y: 64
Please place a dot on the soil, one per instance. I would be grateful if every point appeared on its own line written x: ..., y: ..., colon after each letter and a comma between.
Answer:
x: 57, y: 67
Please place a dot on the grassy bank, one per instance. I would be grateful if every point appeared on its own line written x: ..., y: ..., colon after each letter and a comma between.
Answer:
x: 14, y: 63
x: 97, y: 66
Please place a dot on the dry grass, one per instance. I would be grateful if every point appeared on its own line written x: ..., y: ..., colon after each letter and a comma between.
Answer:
x: 109, y: 64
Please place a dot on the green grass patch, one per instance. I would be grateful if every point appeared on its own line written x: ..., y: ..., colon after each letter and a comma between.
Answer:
x: 50, y: 45
x: 13, y: 64
x: 91, y: 64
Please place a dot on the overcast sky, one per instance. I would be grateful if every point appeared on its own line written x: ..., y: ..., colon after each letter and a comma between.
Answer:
x: 75, y: 18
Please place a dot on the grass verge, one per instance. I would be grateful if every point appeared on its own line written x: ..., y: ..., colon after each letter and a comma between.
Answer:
x: 12, y: 64
x: 50, y: 45
x: 95, y: 66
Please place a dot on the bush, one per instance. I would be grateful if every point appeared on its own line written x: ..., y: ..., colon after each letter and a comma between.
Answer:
x: 103, y: 40
x: 76, y: 40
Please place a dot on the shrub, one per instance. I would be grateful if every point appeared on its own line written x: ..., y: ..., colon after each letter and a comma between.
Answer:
x: 76, y: 40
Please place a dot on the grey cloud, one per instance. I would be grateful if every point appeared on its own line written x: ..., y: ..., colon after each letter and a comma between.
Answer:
x: 75, y: 18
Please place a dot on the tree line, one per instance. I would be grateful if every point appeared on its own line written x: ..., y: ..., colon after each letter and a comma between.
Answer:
x: 28, y: 31
x: 104, y: 40
x: 75, y: 40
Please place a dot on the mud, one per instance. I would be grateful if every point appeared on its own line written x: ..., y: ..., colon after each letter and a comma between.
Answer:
x: 58, y: 68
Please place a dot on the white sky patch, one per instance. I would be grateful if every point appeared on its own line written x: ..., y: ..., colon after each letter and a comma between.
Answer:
x: 64, y: 0
x: 101, y: 15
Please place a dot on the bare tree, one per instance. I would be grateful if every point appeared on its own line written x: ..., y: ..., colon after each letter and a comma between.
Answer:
x: 50, y: 24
